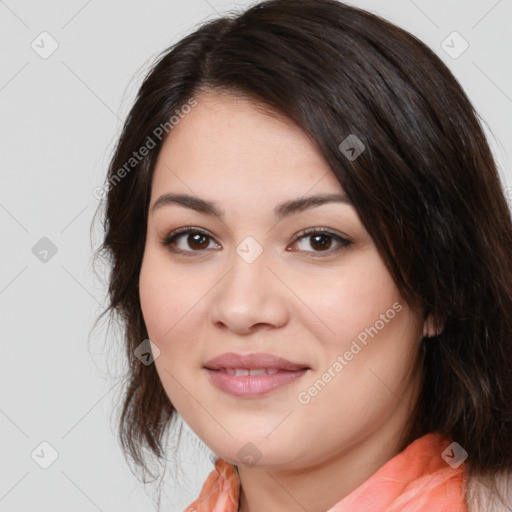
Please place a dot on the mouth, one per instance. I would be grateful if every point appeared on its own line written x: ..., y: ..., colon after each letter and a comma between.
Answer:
x: 253, y: 362
x: 252, y: 375
x: 244, y: 372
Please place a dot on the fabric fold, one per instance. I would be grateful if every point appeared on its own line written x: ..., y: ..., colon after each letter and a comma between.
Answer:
x: 418, y: 479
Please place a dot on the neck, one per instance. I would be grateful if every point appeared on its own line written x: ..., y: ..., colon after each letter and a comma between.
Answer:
x: 319, y: 486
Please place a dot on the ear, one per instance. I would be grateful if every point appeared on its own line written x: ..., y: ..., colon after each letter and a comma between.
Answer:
x: 431, y: 328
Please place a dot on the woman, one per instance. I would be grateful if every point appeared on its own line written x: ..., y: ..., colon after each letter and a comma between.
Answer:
x: 304, y: 217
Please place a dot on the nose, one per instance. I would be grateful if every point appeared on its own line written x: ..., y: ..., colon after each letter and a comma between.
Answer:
x: 250, y: 297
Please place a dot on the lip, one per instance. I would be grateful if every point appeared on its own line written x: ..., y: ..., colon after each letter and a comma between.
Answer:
x: 252, y: 385
x: 252, y: 361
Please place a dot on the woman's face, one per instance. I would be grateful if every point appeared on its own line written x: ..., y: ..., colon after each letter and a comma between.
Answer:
x: 248, y: 286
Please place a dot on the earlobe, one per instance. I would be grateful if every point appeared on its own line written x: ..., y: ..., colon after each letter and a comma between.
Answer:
x: 430, y: 327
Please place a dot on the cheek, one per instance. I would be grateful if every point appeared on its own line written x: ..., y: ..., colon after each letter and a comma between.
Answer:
x: 165, y: 302
x: 158, y: 297
x: 344, y: 306
x: 162, y: 294
x: 152, y: 298
x: 171, y: 306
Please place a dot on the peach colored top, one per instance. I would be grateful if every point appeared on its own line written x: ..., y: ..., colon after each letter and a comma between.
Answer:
x: 418, y: 479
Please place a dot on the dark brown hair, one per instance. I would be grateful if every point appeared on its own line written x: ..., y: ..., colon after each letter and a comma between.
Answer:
x: 426, y: 188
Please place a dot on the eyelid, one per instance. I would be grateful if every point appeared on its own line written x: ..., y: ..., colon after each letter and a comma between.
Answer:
x: 341, y: 238
x: 313, y: 231
x: 171, y: 237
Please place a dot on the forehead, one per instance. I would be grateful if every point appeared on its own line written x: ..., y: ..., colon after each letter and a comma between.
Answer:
x: 228, y: 143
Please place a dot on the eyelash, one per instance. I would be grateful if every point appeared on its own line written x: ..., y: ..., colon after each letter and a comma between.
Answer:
x: 169, y: 239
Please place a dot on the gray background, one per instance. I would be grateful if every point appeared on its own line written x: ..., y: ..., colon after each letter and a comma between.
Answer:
x: 59, y: 118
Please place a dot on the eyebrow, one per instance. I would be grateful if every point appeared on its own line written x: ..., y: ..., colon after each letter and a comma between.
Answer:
x: 281, y: 211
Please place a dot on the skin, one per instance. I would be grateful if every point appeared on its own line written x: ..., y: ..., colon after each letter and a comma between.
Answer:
x: 304, y: 304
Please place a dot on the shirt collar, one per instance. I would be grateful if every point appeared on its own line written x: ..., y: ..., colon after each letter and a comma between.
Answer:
x: 429, y: 474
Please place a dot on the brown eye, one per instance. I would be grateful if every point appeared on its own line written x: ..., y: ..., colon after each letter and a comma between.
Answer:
x: 188, y: 240
x: 320, y: 240
x: 197, y: 241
